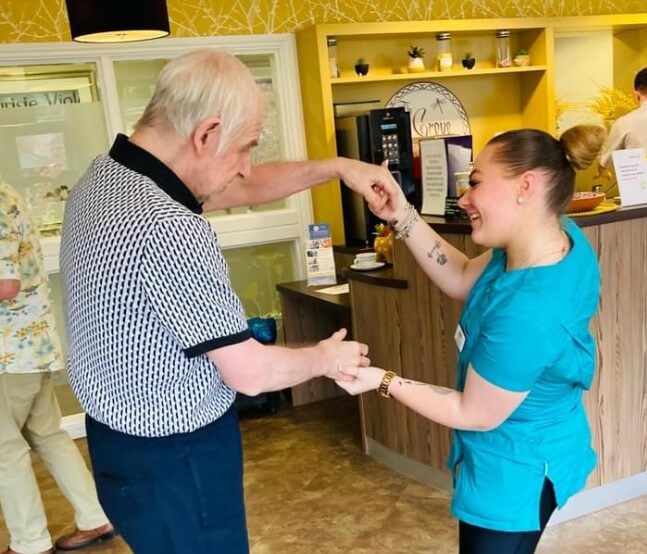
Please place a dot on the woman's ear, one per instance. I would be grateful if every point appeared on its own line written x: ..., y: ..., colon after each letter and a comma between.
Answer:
x: 206, y: 136
x: 527, y: 185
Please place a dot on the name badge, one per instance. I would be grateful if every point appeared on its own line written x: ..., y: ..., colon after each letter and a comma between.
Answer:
x: 459, y: 337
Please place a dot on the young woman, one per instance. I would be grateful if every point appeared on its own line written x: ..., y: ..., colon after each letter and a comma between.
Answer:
x: 522, y: 443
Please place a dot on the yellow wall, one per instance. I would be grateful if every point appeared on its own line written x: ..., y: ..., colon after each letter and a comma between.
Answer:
x: 46, y: 20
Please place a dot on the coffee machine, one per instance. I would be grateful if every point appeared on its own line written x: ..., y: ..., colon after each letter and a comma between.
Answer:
x: 375, y: 136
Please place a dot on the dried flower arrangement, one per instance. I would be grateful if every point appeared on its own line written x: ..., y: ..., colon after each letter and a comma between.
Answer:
x: 611, y: 103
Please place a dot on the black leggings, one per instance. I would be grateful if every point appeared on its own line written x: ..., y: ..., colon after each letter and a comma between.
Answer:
x: 477, y: 540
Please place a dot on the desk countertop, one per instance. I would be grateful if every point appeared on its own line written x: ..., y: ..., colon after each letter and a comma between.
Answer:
x: 301, y: 289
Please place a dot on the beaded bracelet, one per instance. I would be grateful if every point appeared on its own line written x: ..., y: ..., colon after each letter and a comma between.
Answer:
x: 404, y: 227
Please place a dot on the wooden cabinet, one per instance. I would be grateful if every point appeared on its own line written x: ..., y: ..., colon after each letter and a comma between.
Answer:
x: 495, y: 99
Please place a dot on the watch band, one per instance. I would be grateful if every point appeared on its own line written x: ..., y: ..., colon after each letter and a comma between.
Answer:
x: 386, y: 382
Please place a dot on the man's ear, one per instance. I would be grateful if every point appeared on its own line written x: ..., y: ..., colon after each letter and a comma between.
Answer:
x: 206, y: 136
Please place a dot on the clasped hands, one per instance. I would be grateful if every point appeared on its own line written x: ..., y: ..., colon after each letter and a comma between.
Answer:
x: 348, y: 364
x: 376, y: 184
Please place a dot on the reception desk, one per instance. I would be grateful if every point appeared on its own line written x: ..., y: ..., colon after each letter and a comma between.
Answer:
x: 409, y: 325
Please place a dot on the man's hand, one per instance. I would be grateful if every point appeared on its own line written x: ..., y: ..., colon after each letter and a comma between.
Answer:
x: 335, y: 352
x: 375, y: 183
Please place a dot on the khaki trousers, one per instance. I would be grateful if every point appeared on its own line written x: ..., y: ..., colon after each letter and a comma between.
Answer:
x: 31, y: 418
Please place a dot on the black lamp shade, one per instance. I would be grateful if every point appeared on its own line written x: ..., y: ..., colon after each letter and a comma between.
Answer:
x: 117, y: 20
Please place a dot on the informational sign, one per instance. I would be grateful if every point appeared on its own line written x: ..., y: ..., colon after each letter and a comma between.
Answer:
x: 47, y: 98
x: 433, y: 165
x: 631, y: 172
x: 320, y: 262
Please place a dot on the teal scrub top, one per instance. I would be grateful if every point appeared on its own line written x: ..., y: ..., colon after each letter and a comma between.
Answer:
x: 528, y: 330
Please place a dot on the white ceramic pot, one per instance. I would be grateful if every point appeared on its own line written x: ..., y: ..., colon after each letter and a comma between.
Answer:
x: 416, y: 65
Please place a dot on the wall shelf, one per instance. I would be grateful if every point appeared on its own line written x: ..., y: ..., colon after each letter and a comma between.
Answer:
x: 495, y: 99
x: 425, y: 75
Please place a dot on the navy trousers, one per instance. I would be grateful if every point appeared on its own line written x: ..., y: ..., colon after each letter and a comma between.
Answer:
x: 478, y: 540
x: 181, y: 494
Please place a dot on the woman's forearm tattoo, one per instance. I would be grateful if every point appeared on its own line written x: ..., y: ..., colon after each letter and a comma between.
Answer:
x: 435, y: 252
x: 435, y: 388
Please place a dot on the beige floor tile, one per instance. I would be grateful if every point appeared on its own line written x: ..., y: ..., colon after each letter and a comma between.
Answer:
x: 310, y: 490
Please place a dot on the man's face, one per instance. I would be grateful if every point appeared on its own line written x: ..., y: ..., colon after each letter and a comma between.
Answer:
x: 220, y: 170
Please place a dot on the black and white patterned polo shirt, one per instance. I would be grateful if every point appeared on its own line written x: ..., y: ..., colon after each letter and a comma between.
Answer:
x: 147, y: 294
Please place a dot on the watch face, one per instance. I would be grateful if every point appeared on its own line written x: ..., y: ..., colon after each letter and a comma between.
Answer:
x: 435, y: 110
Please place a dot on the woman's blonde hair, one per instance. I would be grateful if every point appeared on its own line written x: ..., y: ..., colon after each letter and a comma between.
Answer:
x: 528, y: 149
x: 200, y: 84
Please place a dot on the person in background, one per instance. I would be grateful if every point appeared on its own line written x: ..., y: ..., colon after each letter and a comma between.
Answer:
x: 159, y: 343
x: 30, y: 417
x: 522, y: 442
x: 630, y: 130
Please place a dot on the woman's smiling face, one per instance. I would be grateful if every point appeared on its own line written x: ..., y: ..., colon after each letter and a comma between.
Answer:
x: 491, y: 201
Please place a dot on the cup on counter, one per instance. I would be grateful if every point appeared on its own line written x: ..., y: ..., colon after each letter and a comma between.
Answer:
x: 365, y: 259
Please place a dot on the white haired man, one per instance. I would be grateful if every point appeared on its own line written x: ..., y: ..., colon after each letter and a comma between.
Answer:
x: 158, y: 339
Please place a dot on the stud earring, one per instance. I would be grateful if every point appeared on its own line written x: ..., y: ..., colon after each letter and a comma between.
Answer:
x: 519, y: 200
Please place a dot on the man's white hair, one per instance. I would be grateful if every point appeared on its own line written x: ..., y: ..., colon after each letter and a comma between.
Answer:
x: 200, y: 84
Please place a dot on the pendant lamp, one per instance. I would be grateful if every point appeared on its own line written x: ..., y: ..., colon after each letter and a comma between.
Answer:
x: 117, y: 20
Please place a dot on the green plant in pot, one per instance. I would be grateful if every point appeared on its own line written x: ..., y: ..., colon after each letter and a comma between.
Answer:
x: 468, y: 61
x: 416, y: 63
x: 361, y: 67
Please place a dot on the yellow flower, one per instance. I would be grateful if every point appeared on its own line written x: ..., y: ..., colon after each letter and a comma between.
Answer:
x: 38, y: 328
x: 25, y: 248
x: 6, y: 358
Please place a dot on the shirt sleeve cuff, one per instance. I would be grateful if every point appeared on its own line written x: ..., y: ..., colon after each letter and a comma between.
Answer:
x: 212, y: 344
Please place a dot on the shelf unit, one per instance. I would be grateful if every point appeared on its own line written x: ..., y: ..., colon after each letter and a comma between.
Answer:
x: 495, y: 99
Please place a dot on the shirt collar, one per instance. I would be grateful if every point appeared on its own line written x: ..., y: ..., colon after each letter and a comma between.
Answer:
x: 136, y: 158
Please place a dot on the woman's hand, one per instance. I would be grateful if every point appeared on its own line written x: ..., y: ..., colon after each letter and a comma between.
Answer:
x: 364, y: 379
x: 376, y: 183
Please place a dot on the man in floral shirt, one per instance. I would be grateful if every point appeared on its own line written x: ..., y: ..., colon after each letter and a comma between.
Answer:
x: 29, y: 413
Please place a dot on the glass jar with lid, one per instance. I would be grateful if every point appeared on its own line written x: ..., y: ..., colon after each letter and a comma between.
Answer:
x: 503, y: 54
x: 333, y: 66
x: 444, y: 52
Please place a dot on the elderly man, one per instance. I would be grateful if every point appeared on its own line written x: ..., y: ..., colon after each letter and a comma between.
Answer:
x: 630, y: 130
x: 158, y: 338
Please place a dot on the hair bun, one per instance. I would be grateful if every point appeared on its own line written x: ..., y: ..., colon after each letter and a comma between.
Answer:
x: 582, y: 144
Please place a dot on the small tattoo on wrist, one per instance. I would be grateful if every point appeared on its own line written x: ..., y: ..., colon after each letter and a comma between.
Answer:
x: 435, y: 388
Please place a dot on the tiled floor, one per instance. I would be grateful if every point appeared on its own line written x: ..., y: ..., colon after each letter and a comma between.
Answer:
x: 311, y: 490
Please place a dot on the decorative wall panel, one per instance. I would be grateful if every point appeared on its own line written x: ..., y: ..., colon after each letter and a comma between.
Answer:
x: 46, y: 20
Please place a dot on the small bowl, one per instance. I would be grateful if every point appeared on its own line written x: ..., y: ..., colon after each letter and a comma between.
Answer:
x: 584, y: 202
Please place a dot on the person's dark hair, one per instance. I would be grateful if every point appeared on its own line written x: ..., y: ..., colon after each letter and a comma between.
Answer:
x: 528, y: 149
x: 640, y: 81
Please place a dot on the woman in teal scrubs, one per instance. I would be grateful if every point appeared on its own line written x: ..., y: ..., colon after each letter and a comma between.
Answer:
x: 522, y: 442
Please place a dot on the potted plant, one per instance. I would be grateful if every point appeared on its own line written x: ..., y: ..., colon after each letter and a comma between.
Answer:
x: 468, y: 61
x: 522, y: 58
x: 416, y: 63
x: 361, y: 67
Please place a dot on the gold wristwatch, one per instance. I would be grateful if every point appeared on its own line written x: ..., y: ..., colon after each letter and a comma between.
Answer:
x: 386, y: 382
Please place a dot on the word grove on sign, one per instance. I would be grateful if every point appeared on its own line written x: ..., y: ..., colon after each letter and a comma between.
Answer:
x: 425, y: 126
